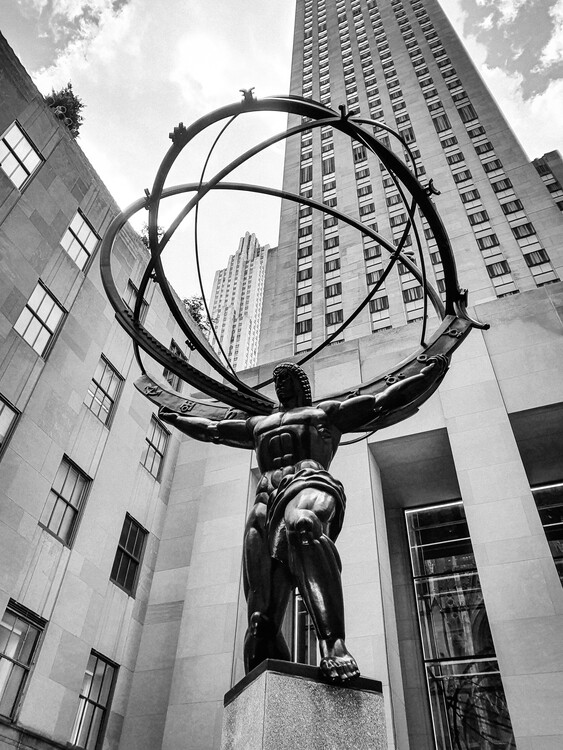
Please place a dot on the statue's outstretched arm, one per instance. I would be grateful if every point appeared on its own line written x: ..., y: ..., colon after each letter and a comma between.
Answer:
x: 233, y: 432
x: 361, y: 410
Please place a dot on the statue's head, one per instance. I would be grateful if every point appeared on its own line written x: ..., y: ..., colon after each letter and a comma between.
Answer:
x: 292, y: 383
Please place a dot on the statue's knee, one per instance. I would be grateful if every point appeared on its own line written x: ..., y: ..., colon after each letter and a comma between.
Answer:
x: 302, y: 523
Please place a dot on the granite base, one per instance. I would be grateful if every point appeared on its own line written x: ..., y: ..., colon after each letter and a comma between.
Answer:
x: 286, y: 706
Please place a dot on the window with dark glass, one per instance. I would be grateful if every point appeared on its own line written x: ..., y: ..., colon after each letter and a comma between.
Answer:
x: 462, y: 176
x: 373, y: 251
x: 155, y: 447
x: 303, y: 326
x: 413, y: 294
x: 129, y: 554
x: 374, y: 276
x: 524, y: 230
x: 379, y: 304
x: 491, y: 240
x: 130, y: 299
x: 19, y: 158
x: 80, y: 239
x: 94, y: 702
x: 335, y: 317
x: 104, y: 391
x: 498, y: 269
x: 304, y: 252
x: 469, y: 195
x: 306, y: 173
x: 304, y: 299
x: 441, y: 123
x: 65, y: 502
x: 467, y: 700
x: 333, y: 290
x: 512, y: 206
x: 492, y: 166
x: 168, y: 375
x: 478, y: 217
x: 20, y: 635
x: 467, y: 113
x: 8, y: 418
x: 304, y: 274
x: 549, y: 502
x: 536, y: 258
x: 332, y: 265
x: 40, y: 319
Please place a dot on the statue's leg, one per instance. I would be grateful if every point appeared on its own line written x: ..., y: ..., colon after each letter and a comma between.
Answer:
x: 315, y: 563
x: 267, y: 586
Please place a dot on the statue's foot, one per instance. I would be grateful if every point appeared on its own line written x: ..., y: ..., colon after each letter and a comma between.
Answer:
x: 263, y: 641
x: 337, y: 663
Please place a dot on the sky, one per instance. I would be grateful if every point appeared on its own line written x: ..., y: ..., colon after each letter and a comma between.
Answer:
x: 141, y: 67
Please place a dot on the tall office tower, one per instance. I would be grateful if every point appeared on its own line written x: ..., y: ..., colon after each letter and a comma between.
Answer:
x: 399, y: 62
x: 236, y: 302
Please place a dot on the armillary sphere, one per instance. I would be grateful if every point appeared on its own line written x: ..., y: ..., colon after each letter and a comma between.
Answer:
x: 229, y: 396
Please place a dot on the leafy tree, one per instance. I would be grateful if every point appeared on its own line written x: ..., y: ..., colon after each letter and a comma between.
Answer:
x: 68, y: 107
x: 196, y: 309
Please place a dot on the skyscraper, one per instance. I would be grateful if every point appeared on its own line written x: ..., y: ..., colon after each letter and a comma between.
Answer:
x: 401, y: 63
x: 236, y: 302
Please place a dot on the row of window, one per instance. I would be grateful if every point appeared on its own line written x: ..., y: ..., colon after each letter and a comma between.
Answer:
x: 21, y: 634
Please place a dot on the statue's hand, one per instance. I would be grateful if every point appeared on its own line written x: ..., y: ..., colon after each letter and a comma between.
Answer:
x: 167, y: 415
x: 437, y: 364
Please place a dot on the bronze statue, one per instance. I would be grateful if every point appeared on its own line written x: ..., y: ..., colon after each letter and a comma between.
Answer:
x: 291, y: 531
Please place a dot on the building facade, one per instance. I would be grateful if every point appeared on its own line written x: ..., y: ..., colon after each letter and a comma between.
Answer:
x: 400, y: 63
x: 452, y: 546
x: 85, y: 463
x: 236, y: 302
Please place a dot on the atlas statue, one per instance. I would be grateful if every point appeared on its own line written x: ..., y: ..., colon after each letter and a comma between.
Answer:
x: 290, y: 534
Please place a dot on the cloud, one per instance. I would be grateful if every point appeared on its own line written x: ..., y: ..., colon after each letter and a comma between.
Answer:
x: 552, y: 53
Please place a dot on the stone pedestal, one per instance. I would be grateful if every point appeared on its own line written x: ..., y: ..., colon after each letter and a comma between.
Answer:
x: 286, y: 706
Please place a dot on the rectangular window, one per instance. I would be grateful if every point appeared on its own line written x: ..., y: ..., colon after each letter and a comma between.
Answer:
x: 393, y: 200
x: 470, y: 195
x: 374, y: 251
x: 306, y: 174
x: 305, y: 274
x: 367, y: 209
x: 305, y: 231
x: 466, y: 694
x: 8, y: 419
x: 39, y: 320
x: 512, y: 206
x: 128, y: 556
x: 20, y: 634
x: 94, y: 703
x: 492, y: 166
x: 19, y: 158
x: 333, y: 318
x: 332, y: 265
x: 130, y: 299
x: 379, y: 304
x: 80, y: 239
x: 174, y: 380
x: 304, y: 252
x: 498, y: 269
x: 484, y: 148
x: 104, y: 391
x: 447, y: 142
x: 396, y: 221
x: 536, y: 258
x: 330, y: 221
x: 359, y: 153
x: 155, y: 447
x: 65, y: 502
x: 304, y: 299
x: 524, y: 230
x: 374, y: 276
x: 410, y: 295
x: 441, y: 123
x: 462, y: 176
x: 491, y: 240
x: 364, y: 190
x: 549, y: 502
x: 303, y: 326
x: 455, y: 158
x: 467, y: 113
x: 328, y: 165
x: 331, y: 242
x: 333, y: 290
x: 478, y: 218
